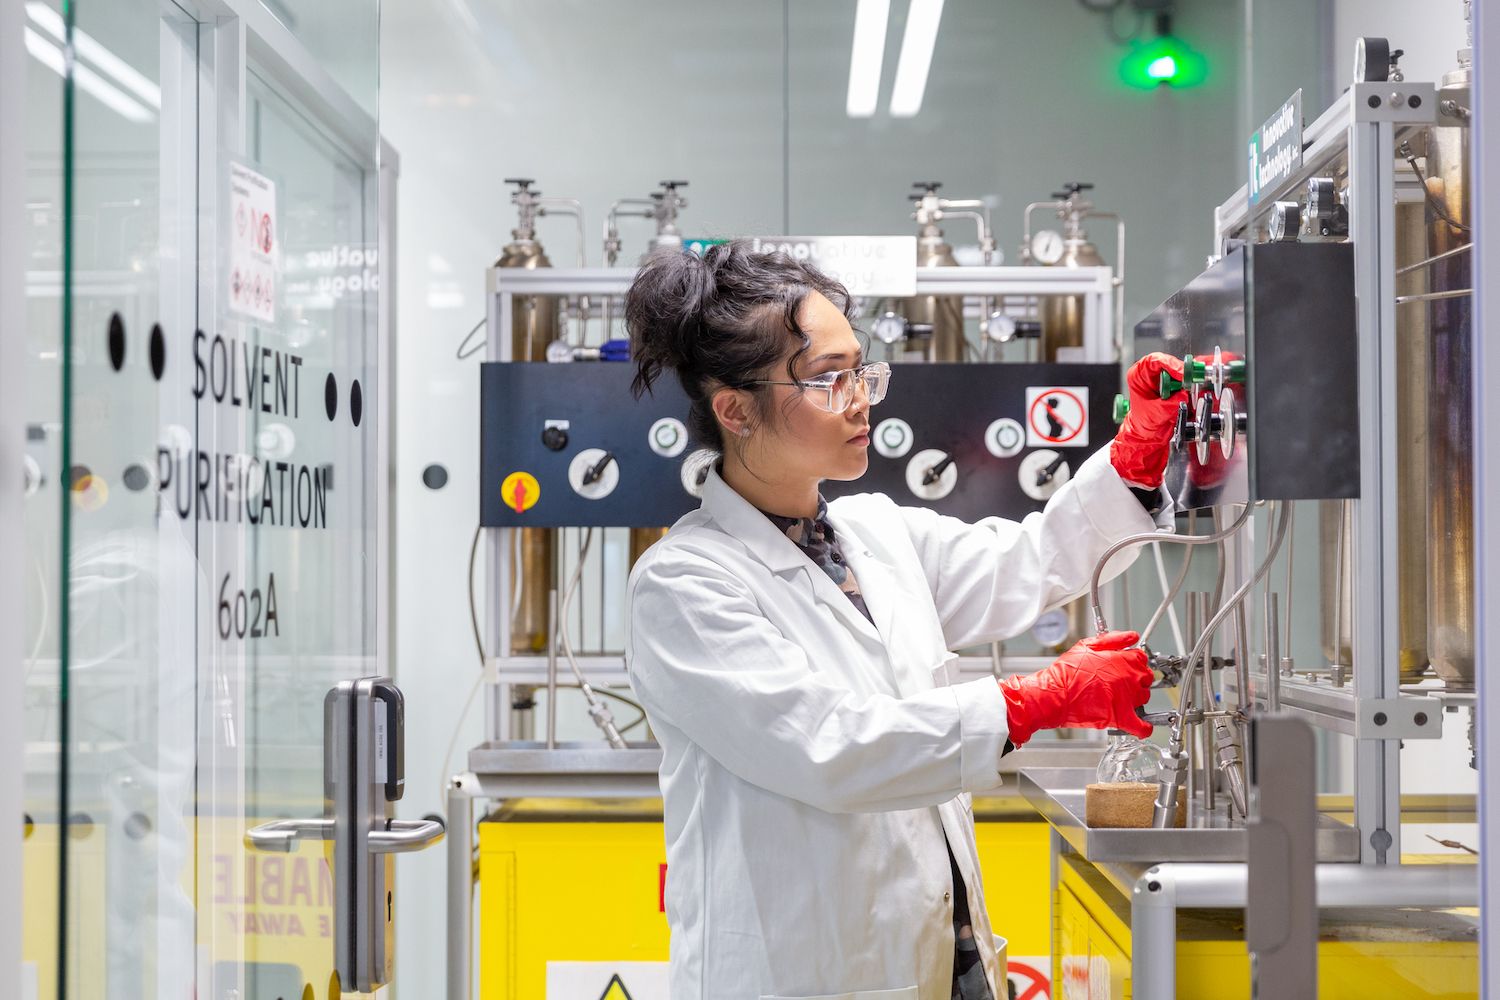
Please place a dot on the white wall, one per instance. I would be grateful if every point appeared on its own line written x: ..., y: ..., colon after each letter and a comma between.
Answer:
x: 1430, y: 33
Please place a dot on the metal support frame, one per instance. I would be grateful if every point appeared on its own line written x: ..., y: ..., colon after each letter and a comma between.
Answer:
x: 1485, y: 174
x: 1162, y: 890
x: 1364, y: 126
x: 1095, y: 284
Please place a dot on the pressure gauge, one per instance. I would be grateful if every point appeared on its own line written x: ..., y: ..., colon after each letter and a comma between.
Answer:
x: 668, y: 437
x: 1051, y: 630
x: 1286, y: 222
x: 1372, y: 60
x: 1000, y: 328
x: 559, y: 352
x: 889, y: 327
x: 1047, y: 247
x: 1322, y: 198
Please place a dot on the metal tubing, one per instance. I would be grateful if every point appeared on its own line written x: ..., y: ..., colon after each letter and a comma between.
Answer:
x: 552, y: 669
x: 1452, y: 293
x: 1164, y: 889
x: 1141, y: 539
x: 460, y: 811
x: 1273, y: 659
x: 1409, y: 268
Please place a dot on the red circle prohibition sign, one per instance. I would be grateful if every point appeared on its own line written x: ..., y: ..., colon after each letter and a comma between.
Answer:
x: 1068, y: 433
x: 1038, y: 989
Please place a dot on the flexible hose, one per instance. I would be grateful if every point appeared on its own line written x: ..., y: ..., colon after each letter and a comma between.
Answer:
x: 1141, y: 539
x: 598, y: 711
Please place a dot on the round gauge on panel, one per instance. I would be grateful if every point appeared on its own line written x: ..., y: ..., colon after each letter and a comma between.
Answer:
x: 931, y: 474
x: 593, y: 473
x: 1051, y: 629
x: 1043, y: 473
x: 1047, y: 246
x: 1322, y: 198
x: 1372, y: 60
x: 1286, y: 222
x: 668, y: 437
x: 695, y: 470
x: 1005, y: 438
x: 892, y: 438
x: 889, y: 327
x: 559, y: 352
x: 1000, y: 328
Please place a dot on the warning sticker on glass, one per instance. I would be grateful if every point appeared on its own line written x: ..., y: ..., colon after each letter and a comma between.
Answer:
x: 254, y: 277
x: 1057, y: 416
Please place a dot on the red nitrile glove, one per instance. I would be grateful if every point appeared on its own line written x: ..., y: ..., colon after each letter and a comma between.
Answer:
x: 1098, y: 684
x: 1140, y: 449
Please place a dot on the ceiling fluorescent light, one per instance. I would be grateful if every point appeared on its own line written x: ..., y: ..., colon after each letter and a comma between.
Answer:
x: 866, y: 56
x: 51, y: 56
x: 87, y: 47
x: 916, y: 57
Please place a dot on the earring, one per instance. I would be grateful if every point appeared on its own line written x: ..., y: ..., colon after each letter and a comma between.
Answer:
x: 744, y: 432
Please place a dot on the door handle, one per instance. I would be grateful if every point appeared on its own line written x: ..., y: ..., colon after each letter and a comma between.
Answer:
x: 282, y: 835
x: 403, y: 836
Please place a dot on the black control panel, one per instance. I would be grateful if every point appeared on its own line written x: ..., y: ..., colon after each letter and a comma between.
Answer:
x: 1273, y: 409
x: 566, y: 445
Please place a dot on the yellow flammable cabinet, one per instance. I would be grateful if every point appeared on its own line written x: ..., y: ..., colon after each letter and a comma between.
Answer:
x: 579, y: 885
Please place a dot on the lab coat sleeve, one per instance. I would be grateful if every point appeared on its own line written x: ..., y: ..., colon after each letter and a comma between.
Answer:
x: 992, y: 579
x: 704, y: 660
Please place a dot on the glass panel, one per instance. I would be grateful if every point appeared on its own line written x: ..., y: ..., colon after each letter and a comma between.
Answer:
x: 44, y: 489
x: 342, y: 37
x: 126, y: 715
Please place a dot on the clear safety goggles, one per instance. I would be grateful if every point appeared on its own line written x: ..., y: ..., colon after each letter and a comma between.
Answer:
x: 834, y: 391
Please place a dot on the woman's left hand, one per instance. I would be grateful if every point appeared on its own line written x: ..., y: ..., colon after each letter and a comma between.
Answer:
x: 1140, y: 450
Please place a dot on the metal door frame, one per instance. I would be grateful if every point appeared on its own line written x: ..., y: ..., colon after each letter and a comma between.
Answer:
x: 233, y: 37
x: 12, y: 448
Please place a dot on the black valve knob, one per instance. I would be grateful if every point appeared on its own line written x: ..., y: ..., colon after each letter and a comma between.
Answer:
x: 522, y: 182
x: 594, y: 472
x: 555, y: 438
x: 931, y: 186
x: 1046, y: 475
x: 1186, y: 431
x: 1071, y: 188
x: 935, y: 473
x: 672, y: 185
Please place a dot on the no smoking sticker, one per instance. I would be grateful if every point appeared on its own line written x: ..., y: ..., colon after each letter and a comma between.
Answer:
x: 1057, y: 416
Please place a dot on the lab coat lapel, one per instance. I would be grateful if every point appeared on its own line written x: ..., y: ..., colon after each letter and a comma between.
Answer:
x: 883, y: 594
x: 740, y: 519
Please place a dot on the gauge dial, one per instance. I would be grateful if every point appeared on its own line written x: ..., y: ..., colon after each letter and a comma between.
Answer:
x: 1047, y: 247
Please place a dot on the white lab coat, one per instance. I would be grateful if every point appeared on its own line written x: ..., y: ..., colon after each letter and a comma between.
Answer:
x: 813, y: 763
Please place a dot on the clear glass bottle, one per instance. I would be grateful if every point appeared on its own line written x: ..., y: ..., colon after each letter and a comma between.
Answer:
x: 1129, y: 758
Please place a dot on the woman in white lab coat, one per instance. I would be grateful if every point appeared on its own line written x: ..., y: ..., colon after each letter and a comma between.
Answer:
x: 793, y: 657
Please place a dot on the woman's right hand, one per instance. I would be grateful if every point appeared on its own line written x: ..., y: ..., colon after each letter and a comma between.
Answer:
x: 1097, y: 684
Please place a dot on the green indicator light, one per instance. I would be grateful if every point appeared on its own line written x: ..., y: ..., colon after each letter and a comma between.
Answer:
x: 1164, y: 61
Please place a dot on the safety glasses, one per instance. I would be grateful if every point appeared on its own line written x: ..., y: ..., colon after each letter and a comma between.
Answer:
x: 834, y: 391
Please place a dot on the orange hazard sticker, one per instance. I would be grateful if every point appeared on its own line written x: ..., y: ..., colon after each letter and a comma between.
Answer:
x: 520, y: 491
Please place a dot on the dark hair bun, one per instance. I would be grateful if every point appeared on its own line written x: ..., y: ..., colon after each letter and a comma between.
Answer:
x: 720, y: 320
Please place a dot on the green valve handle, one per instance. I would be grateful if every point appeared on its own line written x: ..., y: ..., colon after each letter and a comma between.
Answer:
x: 1122, y: 407
x: 1236, y: 372
x: 1194, y: 371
